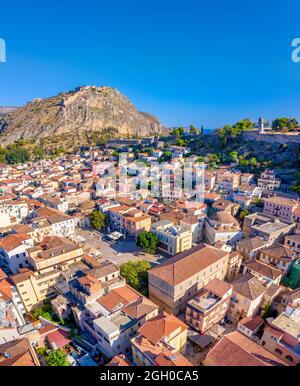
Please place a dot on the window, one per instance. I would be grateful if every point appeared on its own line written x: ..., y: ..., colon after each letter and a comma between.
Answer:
x: 263, y: 343
x: 277, y: 351
x: 289, y: 358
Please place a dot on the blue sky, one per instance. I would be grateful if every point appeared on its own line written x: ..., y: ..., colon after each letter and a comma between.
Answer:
x: 193, y: 61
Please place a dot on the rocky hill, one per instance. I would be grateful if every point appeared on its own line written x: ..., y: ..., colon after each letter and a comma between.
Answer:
x: 75, y: 117
x: 7, y: 109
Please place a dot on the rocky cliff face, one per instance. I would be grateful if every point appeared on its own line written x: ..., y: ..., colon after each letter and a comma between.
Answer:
x: 78, y: 113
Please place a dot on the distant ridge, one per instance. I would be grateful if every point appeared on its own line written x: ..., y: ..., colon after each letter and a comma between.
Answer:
x: 7, y: 109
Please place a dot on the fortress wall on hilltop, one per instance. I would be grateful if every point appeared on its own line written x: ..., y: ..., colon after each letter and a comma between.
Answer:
x: 271, y: 138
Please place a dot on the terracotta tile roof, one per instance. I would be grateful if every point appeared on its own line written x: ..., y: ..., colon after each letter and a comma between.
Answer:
x: 264, y: 269
x: 282, y: 201
x: 140, y: 308
x: 58, y: 339
x: 211, y: 196
x: 119, y: 361
x: 48, y: 328
x: 218, y: 287
x: 252, y: 243
x: 20, y: 354
x: 224, y: 218
x: 123, y: 295
x: 191, y: 219
x: 128, y: 293
x: 187, y: 264
x: 22, y: 276
x: 172, y: 359
x: 11, y: 242
x: 119, y: 209
x: 161, y: 326
x: 5, y: 289
x: 20, y: 228
x: 274, y: 331
x: 2, y: 274
x: 235, y: 349
x: 279, y: 251
x: 159, y: 354
x: 249, y: 286
x: 252, y: 323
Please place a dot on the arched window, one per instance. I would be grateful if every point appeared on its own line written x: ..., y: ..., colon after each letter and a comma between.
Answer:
x: 279, y: 352
x: 289, y: 358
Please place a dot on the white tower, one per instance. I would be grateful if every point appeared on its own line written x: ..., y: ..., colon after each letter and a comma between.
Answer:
x: 261, y: 125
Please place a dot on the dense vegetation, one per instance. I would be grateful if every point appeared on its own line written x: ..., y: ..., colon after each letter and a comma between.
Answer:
x: 227, y: 146
x: 57, y: 358
x: 45, y: 311
x: 98, y: 220
x: 285, y: 124
x: 136, y: 275
x: 148, y: 241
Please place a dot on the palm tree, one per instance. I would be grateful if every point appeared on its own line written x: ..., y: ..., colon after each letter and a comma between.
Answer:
x: 57, y: 358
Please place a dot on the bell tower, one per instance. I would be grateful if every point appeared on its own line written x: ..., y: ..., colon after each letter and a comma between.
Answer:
x: 261, y: 125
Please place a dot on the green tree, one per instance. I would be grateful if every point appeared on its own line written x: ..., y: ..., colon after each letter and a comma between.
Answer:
x: 284, y: 124
x: 267, y: 311
x: 296, y: 187
x: 214, y: 160
x: 253, y: 162
x: 166, y: 156
x: 57, y: 358
x: 259, y: 203
x: 98, y: 220
x: 234, y: 156
x: 228, y: 133
x: 178, y: 132
x: 147, y: 241
x: 3, y: 153
x: 225, y: 134
x: 200, y: 160
x: 180, y: 142
x: 293, y: 123
x: 244, y: 125
x: 59, y: 151
x: 38, y: 152
x: 45, y: 311
x: 136, y: 275
x: 17, y: 155
x: 243, y: 214
x: 193, y: 130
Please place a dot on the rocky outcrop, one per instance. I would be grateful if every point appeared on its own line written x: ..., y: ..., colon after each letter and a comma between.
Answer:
x: 76, y: 113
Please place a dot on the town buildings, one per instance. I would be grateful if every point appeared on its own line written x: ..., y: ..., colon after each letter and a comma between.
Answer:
x: 173, y: 283
x: 236, y: 349
x: 47, y: 263
x: 209, y: 306
x: 159, y: 342
x: 223, y: 227
x: 212, y: 272
x: 248, y: 293
x: 282, y: 335
x: 172, y: 239
x: 281, y: 207
x: 268, y: 181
